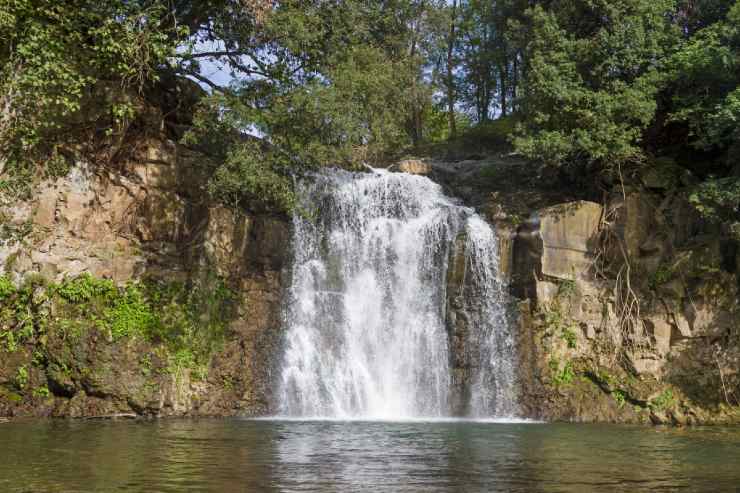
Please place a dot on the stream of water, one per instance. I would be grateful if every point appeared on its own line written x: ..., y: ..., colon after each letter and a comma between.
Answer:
x: 366, y: 333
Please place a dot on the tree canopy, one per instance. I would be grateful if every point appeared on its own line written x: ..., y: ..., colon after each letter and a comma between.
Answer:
x: 592, y: 85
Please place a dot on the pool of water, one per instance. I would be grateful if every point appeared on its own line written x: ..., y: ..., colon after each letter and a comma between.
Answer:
x: 244, y: 456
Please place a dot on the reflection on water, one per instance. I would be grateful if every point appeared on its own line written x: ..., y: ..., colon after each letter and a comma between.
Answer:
x: 244, y: 456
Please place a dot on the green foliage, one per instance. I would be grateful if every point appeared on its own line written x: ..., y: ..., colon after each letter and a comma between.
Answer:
x: 620, y: 397
x: 555, y: 319
x: 570, y: 337
x: 54, y: 54
x: 11, y: 233
x: 561, y: 376
x: 346, y: 88
x: 662, y: 275
x: 252, y: 178
x: 16, y: 314
x: 665, y: 400
x: 188, y: 321
x: 42, y: 392
x: 227, y: 382
x: 7, y: 288
x: 718, y: 200
x: 21, y: 377
x: 592, y: 79
x: 594, y: 84
x: 705, y: 77
x: 84, y: 288
x: 492, y: 133
x: 567, y: 288
x: 129, y: 314
x: 353, y: 112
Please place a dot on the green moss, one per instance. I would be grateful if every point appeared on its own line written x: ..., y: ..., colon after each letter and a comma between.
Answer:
x: 665, y: 400
x: 620, y: 397
x: 14, y: 397
x: 662, y: 275
x: 186, y: 321
x: 564, y: 375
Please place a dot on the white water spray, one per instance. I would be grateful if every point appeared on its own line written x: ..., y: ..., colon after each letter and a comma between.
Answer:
x: 365, y: 315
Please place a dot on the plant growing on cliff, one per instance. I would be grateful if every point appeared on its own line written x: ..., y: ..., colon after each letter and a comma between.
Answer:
x: 7, y: 288
x: 662, y: 275
x: 556, y: 322
x: 570, y: 337
x: 42, y: 392
x: 664, y: 400
x: 561, y: 376
x: 21, y: 377
x: 620, y: 398
x: 16, y: 314
x: 187, y: 321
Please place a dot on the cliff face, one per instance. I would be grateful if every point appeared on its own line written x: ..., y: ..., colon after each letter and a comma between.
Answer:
x: 628, y: 308
x: 632, y: 312
x: 145, y: 222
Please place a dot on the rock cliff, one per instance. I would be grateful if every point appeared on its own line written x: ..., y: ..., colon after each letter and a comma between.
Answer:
x: 627, y: 301
x: 629, y: 306
x: 142, y: 223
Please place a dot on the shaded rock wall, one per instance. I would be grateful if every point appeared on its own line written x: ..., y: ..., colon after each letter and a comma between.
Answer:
x: 632, y: 316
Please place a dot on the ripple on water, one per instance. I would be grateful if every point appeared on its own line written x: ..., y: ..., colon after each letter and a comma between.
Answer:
x: 335, y: 456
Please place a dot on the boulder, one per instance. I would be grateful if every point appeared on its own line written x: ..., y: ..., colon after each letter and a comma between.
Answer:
x: 46, y: 209
x: 568, y: 233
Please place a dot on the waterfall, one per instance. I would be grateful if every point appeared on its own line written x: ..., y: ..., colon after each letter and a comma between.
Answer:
x: 365, y: 322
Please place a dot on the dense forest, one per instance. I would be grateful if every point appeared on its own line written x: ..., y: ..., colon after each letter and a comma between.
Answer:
x: 604, y: 89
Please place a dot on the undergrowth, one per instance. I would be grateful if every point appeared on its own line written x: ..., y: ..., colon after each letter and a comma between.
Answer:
x: 187, y: 321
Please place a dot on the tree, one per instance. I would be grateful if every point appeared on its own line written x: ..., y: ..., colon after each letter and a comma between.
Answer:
x: 55, y: 54
x: 344, y: 88
x: 450, y: 69
x: 593, y: 71
x: 313, y: 82
x: 704, y: 81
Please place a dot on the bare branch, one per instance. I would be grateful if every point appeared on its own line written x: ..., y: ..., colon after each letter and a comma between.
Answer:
x: 204, y: 80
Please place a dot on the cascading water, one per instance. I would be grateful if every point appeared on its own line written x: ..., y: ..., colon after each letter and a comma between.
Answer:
x: 491, y: 341
x: 365, y: 318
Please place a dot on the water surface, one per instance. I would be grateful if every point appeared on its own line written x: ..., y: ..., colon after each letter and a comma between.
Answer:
x: 325, y: 456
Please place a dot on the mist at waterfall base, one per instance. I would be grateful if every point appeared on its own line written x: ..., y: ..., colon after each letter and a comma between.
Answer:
x: 368, y: 329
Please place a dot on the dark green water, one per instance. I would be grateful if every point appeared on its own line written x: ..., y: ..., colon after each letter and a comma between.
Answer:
x: 244, y: 456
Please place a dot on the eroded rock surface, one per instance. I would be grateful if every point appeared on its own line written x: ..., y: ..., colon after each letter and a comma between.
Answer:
x: 146, y: 219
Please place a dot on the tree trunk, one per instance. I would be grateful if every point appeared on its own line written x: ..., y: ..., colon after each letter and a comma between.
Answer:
x: 450, y: 74
x: 416, y: 117
x: 514, y: 82
x: 502, y: 91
